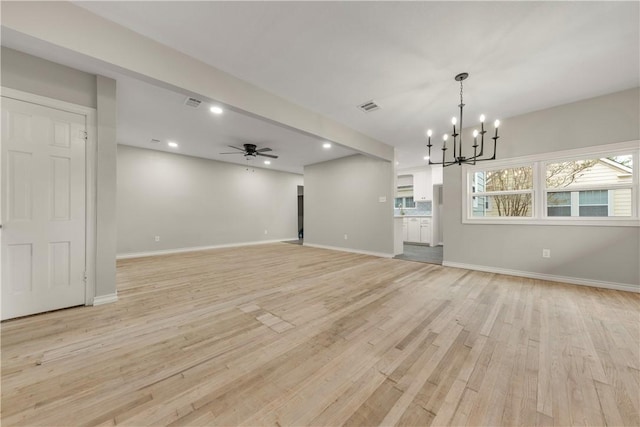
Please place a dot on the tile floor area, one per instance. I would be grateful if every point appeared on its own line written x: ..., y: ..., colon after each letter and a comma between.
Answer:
x: 421, y: 253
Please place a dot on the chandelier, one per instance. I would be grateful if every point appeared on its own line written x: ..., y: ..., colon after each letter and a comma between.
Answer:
x: 478, y: 150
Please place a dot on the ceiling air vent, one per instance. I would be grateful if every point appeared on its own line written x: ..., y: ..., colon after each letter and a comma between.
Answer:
x: 369, y: 106
x: 192, y: 102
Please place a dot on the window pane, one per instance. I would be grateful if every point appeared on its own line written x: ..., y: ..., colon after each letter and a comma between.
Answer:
x: 594, y: 203
x: 511, y: 205
x: 561, y: 198
x: 559, y: 211
x: 559, y: 204
x: 595, y: 197
x: 594, y: 211
x: 504, y: 180
x: 606, y: 170
x: 398, y: 202
x: 409, y: 203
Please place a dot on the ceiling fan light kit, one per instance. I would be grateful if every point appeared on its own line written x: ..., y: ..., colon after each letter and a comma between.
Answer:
x: 478, y: 150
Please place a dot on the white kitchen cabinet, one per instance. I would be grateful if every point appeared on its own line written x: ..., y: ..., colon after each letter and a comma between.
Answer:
x: 422, y: 188
x: 425, y: 230
x: 405, y: 230
x: 413, y: 229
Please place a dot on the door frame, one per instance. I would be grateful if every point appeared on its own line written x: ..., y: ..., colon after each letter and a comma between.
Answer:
x: 90, y: 175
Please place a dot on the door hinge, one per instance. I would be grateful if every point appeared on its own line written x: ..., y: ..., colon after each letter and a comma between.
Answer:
x: 84, y: 276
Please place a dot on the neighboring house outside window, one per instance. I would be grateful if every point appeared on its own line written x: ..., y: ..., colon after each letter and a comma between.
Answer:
x: 583, y: 174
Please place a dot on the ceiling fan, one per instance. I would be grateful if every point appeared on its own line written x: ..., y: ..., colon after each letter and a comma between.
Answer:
x: 250, y: 150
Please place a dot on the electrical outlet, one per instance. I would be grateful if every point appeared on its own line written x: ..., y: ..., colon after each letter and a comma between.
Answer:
x: 346, y: 237
x: 157, y: 238
x: 546, y: 253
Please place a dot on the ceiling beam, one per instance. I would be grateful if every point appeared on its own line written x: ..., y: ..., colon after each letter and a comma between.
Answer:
x: 71, y: 27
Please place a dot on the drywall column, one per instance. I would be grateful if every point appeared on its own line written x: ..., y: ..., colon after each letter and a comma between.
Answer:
x: 106, y: 230
x: 350, y: 197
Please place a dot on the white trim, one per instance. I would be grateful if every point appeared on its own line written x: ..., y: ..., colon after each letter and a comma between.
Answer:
x: 90, y: 175
x: 572, y: 154
x: 355, y: 251
x: 550, y: 277
x: 105, y: 299
x: 19, y: 95
x: 196, y: 248
x: 612, y: 221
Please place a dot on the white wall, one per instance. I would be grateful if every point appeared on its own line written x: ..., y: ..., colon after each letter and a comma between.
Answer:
x: 589, y: 253
x: 193, y: 202
x: 35, y: 75
x: 342, y: 197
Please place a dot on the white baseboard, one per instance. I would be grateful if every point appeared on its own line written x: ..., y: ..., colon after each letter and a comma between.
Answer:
x: 197, y: 248
x: 105, y: 299
x: 355, y: 251
x: 549, y: 277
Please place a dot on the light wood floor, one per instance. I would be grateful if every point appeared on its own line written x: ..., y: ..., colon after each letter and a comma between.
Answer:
x: 288, y: 335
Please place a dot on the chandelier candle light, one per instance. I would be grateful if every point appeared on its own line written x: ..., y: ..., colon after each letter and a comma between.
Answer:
x: 457, y: 157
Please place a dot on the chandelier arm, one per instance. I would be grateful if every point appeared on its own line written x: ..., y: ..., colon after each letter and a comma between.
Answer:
x: 475, y: 151
x: 495, y: 145
x: 482, y: 143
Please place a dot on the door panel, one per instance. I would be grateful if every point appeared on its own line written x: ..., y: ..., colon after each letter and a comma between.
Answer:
x: 43, y: 208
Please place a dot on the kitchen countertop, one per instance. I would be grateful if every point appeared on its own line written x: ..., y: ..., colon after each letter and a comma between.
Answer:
x: 412, y: 216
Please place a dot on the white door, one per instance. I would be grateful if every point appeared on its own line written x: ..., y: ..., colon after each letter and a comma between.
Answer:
x: 43, y: 208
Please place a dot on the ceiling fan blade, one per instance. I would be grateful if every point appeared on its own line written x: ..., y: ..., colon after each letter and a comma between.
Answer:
x: 267, y: 155
x: 262, y: 150
x: 233, y: 152
x: 237, y: 148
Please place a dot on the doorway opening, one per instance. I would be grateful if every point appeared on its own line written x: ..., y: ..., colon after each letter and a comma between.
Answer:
x: 430, y: 249
x: 300, y: 213
x: 300, y: 218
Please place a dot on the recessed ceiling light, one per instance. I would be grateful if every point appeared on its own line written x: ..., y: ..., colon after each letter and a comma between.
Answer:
x: 267, y: 162
x: 426, y: 157
x: 216, y: 110
x: 326, y: 145
x: 172, y: 144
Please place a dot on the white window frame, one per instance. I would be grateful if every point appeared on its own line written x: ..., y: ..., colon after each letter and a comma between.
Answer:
x: 539, y: 196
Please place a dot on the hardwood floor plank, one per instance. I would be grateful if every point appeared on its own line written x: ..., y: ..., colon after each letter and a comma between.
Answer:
x: 284, y: 334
